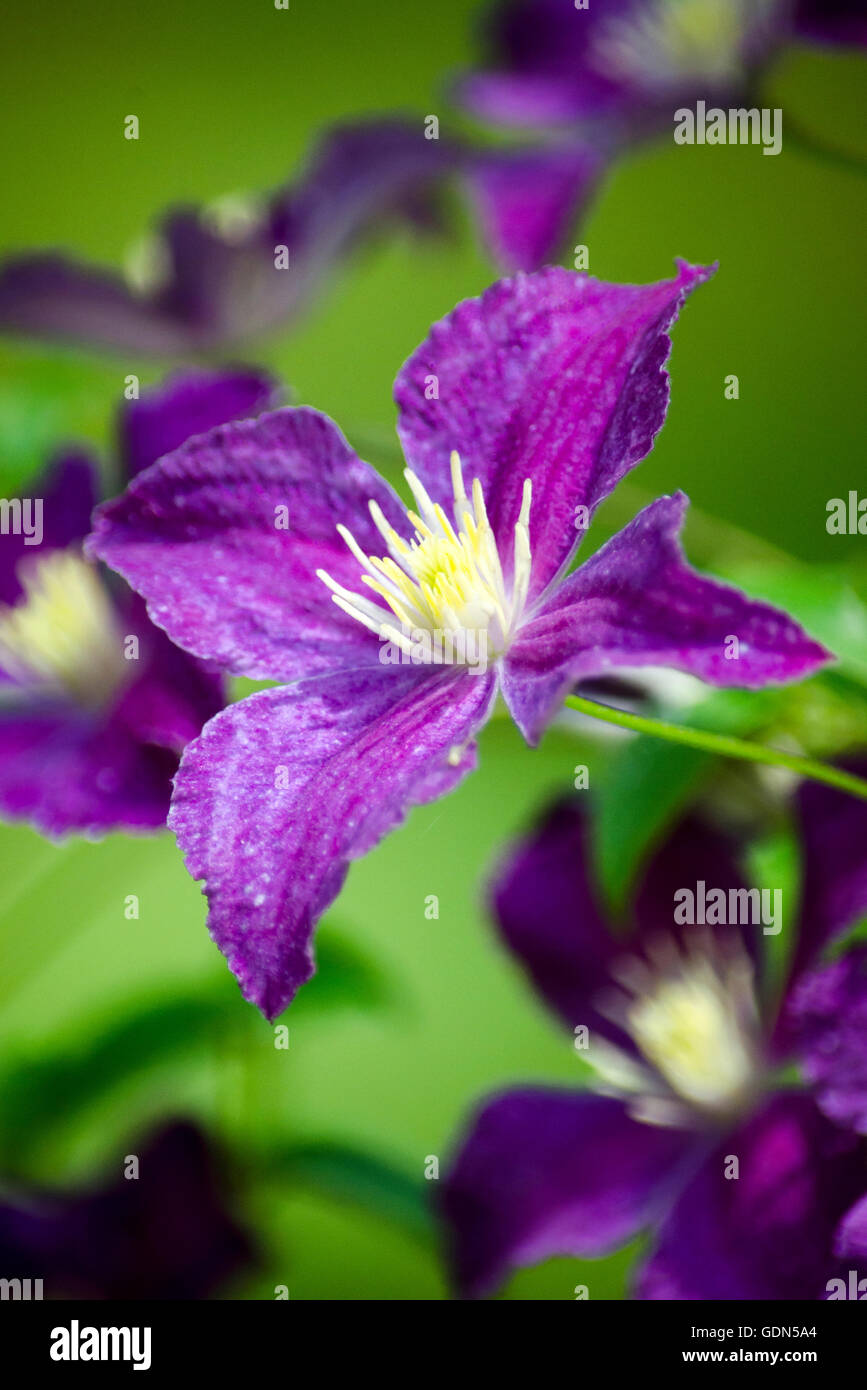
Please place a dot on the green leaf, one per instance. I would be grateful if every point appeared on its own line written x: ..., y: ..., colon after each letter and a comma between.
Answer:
x: 38, y: 1094
x: 351, y: 1175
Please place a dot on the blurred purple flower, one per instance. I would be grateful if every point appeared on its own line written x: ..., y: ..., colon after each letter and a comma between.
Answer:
x: 627, y: 64
x: 166, y: 1234
x: 96, y: 703
x: 214, y: 277
x: 612, y: 74
x: 684, y: 1034
x: 258, y: 546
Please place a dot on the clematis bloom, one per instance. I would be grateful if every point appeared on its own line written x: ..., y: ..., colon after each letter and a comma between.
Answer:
x: 606, y: 76
x: 271, y: 548
x: 95, y: 702
x: 685, y: 1036
x: 622, y: 67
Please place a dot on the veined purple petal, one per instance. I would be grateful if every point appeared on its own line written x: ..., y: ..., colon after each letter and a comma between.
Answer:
x: 544, y: 1173
x: 555, y: 377
x: 67, y: 491
x: 223, y: 539
x: 636, y: 602
x: 189, y: 403
x: 769, y: 1232
x: 827, y: 1022
x: 528, y: 200
x: 281, y: 791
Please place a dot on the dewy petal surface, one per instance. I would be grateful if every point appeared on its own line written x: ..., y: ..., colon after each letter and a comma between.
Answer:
x: 637, y: 602
x: 198, y: 536
x: 770, y: 1232
x: 555, y: 377
x: 281, y: 791
x: 544, y: 1172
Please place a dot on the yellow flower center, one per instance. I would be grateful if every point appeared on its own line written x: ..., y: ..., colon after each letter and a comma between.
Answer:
x: 446, y: 582
x: 693, y: 1018
x: 61, y: 637
x: 673, y: 40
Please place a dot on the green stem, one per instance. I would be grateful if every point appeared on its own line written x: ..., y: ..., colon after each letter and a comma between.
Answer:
x: 812, y: 145
x: 722, y: 744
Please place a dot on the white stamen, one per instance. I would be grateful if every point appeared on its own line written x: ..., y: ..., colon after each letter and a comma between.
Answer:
x: 446, y: 579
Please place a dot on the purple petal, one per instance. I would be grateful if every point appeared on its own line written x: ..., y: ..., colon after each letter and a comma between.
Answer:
x: 545, y: 903
x: 832, y: 21
x: 528, y: 201
x: 827, y: 1021
x: 545, y: 1173
x: 851, y: 1239
x: 554, y: 377
x: 50, y: 296
x: 167, y: 1235
x: 199, y: 536
x: 188, y: 403
x: 65, y: 771
x: 636, y: 603
x: 543, y: 70
x: 173, y: 695
x: 284, y: 789
x: 769, y: 1233
x: 68, y: 490
x: 833, y: 828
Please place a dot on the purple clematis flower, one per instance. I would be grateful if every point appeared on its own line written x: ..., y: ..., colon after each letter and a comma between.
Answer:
x: 96, y: 703
x: 271, y: 548
x: 684, y: 1036
x: 166, y: 1234
x: 612, y: 74
x: 629, y: 63
x: 210, y: 278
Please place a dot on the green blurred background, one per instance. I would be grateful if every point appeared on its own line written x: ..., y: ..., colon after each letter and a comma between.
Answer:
x: 410, y: 1020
